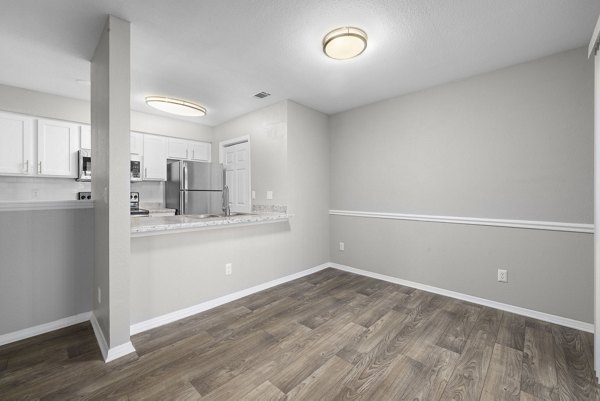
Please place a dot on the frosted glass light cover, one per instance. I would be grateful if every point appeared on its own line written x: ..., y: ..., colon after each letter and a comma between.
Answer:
x: 176, y: 106
x: 345, y: 43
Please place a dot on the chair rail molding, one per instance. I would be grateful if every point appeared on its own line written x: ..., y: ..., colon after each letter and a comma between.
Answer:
x: 523, y: 224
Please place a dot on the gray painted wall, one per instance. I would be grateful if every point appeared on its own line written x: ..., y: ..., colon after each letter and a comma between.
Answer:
x: 45, y: 266
x: 267, y: 129
x: 549, y: 271
x: 513, y: 144
x: 175, y: 271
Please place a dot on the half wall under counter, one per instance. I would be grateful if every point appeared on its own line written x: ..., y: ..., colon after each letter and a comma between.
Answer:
x: 148, y: 226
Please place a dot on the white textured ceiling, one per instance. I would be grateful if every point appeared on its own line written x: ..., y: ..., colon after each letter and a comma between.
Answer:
x: 219, y: 53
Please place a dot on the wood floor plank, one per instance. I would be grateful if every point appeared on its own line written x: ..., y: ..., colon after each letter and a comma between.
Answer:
x: 332, y: 336
x: 324, y: 383
x: 438, y: 363
x: 399, y: 377
x: 464, y: 318
x: 528, y: 397
x: 265, y: 392
x: 291, y: 374
x: 469, y: 374
x: 503, y: 379
x: 372, y: 367
x: 574, y: 374
x: 588, y: 340
x: 241, y: 385
x: 512, y: 331
x: 386, y: 327
x: 538, y: 376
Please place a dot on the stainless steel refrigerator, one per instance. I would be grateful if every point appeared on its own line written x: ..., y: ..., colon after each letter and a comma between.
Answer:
x: 194, y: 187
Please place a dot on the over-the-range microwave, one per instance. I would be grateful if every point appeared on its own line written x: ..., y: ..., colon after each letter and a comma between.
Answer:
x: 85, y: 166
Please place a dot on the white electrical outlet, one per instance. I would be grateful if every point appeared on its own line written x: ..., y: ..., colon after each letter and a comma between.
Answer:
x: 341, y: 246
x: 253, y: 194
x: 35, y: 193
x: 99, y: 295
x: 503, y: 275
x: 228, y: 269
x: 269, y: 194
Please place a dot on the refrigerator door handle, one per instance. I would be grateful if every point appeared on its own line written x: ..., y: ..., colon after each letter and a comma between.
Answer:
x: 181, y: 204
x: 185, y: 201
x: 185, y: 176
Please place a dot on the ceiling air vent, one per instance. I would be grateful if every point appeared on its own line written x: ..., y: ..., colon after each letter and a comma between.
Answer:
x: 262, y: 95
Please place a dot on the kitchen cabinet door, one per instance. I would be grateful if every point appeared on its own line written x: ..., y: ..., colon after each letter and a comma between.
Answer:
x: 85, y: 137
x: 16, y: 144
x: 58, y: 144
x: 155, y: 158
x: 200, y: 151
x: 178, y: 149
x: 136, y: 146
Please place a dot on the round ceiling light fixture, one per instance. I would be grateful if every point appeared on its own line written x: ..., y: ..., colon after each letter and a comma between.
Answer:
x: 345, y: 43
x: 176, y: 106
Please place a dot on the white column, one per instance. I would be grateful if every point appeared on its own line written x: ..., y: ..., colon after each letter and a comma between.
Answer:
x: 110, y: 112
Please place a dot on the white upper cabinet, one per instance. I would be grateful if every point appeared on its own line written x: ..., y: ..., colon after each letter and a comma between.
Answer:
x: 188, y: 150
x: 155, y: 158
x: 200, y: 151
x: 58, y: 143
x: 16, y: 144
x: 137, y: 144
x: 178, y: 148
x: 85, y: 137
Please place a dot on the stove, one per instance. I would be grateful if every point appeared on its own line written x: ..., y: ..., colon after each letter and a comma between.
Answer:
x: 134, y: 206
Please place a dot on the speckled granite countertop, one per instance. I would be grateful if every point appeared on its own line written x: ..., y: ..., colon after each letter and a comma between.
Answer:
x: 146, y: 226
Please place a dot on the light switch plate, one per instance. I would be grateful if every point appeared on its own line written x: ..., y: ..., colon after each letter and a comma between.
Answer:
x: 253, y: 194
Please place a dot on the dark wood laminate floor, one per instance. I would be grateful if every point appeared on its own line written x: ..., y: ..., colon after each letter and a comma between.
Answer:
x: 328, y: 336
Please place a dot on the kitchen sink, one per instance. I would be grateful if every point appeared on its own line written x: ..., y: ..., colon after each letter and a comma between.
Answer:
x: 204, y: 216
x: 210, y: 216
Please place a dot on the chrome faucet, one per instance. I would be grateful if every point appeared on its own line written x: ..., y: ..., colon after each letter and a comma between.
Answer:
x: 226, y: 209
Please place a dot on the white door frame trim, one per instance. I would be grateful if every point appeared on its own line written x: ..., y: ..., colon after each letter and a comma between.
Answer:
x: 593, y: 52
x: 235, y: 141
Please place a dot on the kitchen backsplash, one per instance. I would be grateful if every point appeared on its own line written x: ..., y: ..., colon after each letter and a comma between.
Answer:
x: 151, y: 192
x: 52, y: 189
x: 32, y: 188
x: 269, y: 208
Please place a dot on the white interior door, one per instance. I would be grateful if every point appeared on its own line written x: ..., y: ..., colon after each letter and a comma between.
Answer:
x: 236, y: 159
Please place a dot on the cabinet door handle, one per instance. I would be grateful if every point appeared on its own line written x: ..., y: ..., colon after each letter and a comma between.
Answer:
x: 26, y: 166
x: 39, y: 167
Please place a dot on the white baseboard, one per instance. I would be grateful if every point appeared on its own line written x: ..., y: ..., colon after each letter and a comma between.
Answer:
x: 43, y: 328
x: 109, y: 354
x: 213, y: 303
x: 563, y: 321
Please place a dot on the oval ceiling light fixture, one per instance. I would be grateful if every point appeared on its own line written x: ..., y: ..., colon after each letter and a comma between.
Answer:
x: 176, y: 106
x: 345, y: 43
